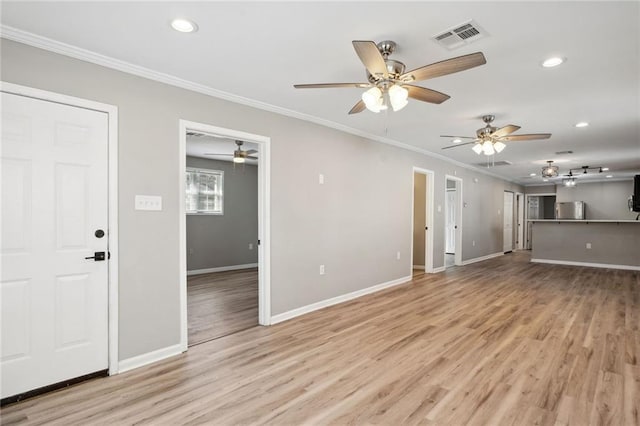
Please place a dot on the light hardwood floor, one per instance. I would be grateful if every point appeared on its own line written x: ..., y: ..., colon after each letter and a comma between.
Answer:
x: 497, y: 343
x: 221, y: 303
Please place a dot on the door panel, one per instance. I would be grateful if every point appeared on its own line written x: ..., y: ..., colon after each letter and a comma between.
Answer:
x: 451, y: 222
x: 54, y: 196
x: 508, y: 221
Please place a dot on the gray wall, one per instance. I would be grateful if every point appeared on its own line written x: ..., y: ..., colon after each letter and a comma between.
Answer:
x: 214, y: 241
x: 540, y: 189
x: 611, y: 243
x: 348, y: 224
x: 419, y: 218
x: 604, y: 200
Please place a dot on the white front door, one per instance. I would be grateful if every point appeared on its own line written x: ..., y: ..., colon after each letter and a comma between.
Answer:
x: 54, y: 202
x: 450, y: 225
x: 508, y: 221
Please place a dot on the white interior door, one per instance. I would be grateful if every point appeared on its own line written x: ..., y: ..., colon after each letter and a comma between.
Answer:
x: 54, y: 201
x: 450, y: 222
x: 508, y: 221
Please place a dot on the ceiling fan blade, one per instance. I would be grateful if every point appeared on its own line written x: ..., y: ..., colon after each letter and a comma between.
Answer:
x: 251, y: 158
x: 359, y: 107
x: 371, y: 58
x: 251, y: 151
x: 459, y: 137
x: 330, y: 85
x: 504, y: 131
x: 222, y: 155
x: 445, y: 67
x: 459, y: 144
x: 425, y: 95
x: 528, y: 137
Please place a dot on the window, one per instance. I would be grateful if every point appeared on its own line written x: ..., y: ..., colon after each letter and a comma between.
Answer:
x: 205, y: 191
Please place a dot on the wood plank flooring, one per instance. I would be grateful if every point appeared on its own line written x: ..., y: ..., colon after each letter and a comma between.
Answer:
x: 501, y: 342
x: 221, y: 303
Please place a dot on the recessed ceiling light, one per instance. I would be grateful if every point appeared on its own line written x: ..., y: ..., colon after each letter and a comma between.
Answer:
x: 553, y: 62
x: 532, y: 174
x: 609, y: 176
x: 184, y: 25
x: 545, y: 180
x: 582, y: 124
x: 605, y: 169
x: 456, y: 140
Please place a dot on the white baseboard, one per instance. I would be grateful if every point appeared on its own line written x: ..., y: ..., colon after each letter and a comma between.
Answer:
x: 335, y: 300
x: 481, y: 258
x: 592, y: 265
x: 149, y: 357
x: 421, y: 267
x: 222, y: 269
x: 438, y: 270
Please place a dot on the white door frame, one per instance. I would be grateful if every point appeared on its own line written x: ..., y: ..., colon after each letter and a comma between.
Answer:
x: 112, y: 234
x: 458, y: 254
x: 429, y: 199
x: 520, y: 219
x: 264, y: 221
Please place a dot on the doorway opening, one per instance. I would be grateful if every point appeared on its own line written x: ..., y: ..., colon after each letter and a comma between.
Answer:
x: 519, y: 221
x: 539, y: 206
x: 507, y: 216
x: 422, y: 221
x: 224, y: 249
x: 452, y: 221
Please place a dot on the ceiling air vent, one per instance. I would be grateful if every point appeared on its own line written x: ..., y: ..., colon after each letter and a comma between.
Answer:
x: 460, y: 35
x: 564, y: 152
x: 494, y: 163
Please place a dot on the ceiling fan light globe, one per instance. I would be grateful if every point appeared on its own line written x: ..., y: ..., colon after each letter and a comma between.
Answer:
x: 487, y: 148
x: 477, y: 148
x: 398, y: 93
x: 498, y: 146
x: 238, y: 160
x: 398, y: 104
x: 372, y: 99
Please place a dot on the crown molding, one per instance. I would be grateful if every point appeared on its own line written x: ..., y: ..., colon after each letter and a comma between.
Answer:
x: 31, y: 39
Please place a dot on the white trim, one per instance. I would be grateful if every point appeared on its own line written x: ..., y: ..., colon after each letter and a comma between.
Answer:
x: 221, y: 269
x: 112, y: 146
x: 457, y: 256
x: 482, y: 258
x: 440, y: 269
x: 420, y: 267
x: 335, y: 300
x: 429, y: 201
x: 51, y: 45
x: 150, y: 357
x: 592, y: 265
x: 264, y: 219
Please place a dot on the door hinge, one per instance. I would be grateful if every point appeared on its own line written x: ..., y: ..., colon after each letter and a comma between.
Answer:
x: 258, y: 242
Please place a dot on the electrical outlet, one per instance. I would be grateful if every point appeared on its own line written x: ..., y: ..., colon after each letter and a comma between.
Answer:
x: 473, y: 243
x: 250, y: 246
x: 191, y: 251
x: 321, y: 179
x: 589, y: 246
x: 397, y: 255
x: 439, y: 208
x: 321, y: 269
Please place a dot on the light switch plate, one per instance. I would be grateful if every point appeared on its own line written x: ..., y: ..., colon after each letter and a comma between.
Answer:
x: 148, y: 202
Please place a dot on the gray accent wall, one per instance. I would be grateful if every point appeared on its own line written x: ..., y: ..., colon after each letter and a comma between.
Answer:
x: 215, y: 241
x: 604, y: 200
x: 353, y: 224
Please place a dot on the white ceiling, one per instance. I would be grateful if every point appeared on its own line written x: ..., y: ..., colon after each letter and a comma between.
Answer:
x: 259, y: 50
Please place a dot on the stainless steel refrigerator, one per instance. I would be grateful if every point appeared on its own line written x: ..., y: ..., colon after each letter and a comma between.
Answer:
x: 571, y: 210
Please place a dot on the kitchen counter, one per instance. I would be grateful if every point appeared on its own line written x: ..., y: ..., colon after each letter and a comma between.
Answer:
x: 598, y: 243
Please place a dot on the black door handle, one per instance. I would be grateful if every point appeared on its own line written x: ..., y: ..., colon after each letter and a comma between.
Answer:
x: 97, y: 256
